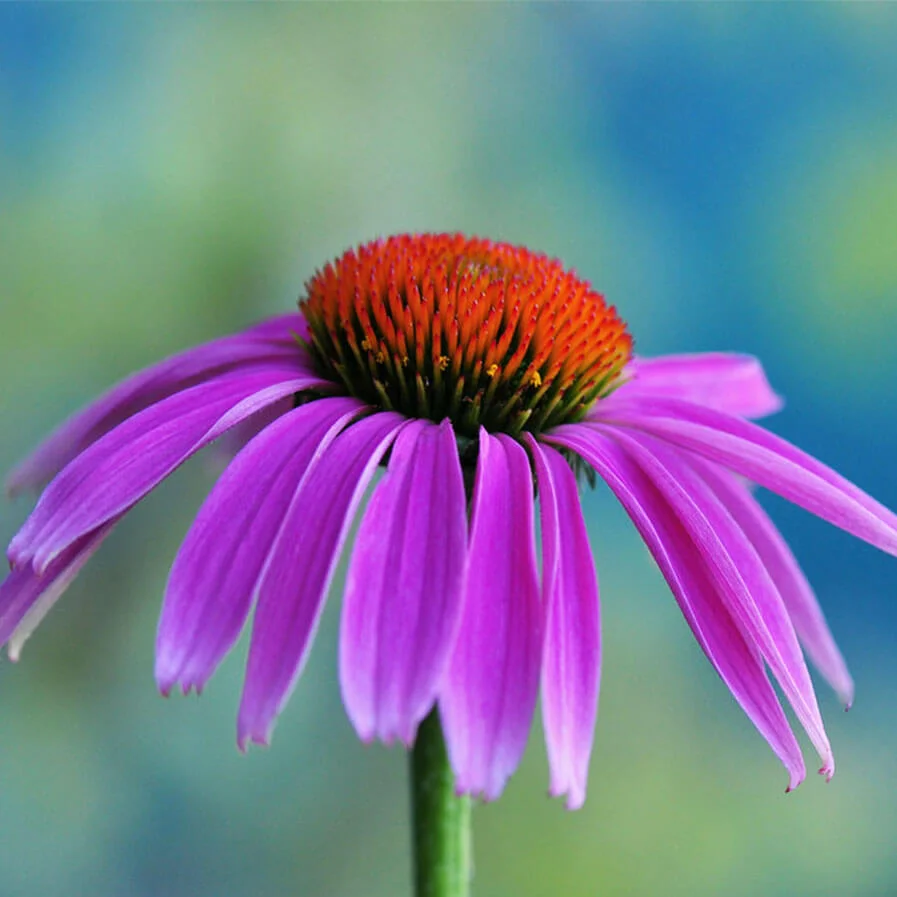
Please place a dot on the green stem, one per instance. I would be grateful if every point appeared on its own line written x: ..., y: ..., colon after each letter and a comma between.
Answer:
x: 441, y: 820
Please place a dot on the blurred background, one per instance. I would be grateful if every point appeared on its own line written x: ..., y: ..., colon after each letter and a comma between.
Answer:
x: 726, y: 175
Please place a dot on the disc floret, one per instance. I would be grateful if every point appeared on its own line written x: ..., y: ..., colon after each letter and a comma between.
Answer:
x: 483, y: 333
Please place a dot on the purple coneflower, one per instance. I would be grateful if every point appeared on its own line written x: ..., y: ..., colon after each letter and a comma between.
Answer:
x: 481, y: 375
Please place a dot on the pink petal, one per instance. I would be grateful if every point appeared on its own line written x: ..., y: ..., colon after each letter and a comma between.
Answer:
x: 737, y: 662
x: 230, y: 443
x: 217, y: 569
x: 269, y: 341
x: 743, y: 582
x: 119, y: 469
x: 26, y: 598
x: 281, y: 329
x: 571, y: 666
x: 803, y: 608
x: 488, y: 697
x: 404, y: 587
x: 301, y: 564
x: 728, y: 382
x: 764, y: 458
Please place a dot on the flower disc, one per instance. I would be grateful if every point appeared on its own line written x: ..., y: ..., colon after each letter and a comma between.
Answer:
x: 483, y: 333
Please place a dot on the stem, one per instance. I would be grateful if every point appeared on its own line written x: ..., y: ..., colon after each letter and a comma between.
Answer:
x: 441, y: 820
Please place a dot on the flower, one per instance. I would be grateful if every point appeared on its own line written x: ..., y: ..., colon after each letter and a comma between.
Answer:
x: 481, y: 375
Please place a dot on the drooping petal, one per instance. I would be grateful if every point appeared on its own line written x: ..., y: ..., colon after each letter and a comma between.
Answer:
x: 764, y: 458
x: 301, y: 564
x: 404, y: 586
x: 571, y: 665
x: 489, y: 694
x: 729, y: 382
x: 803, y: 608
x: 744, y: 584
x: 26, y: 598
x: 281, y: 329
x: 269, y: 341
x: 227, y: 446
x: 737, y: 662
x: 123, y: 466
x: 214, y: 576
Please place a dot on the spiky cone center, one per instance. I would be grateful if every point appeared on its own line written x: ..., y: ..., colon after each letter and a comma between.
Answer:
x: 485, y: 334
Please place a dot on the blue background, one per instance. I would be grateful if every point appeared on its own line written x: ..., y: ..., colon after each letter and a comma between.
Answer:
x: 726, y: 175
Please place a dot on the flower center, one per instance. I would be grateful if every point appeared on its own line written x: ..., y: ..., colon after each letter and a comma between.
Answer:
x: 486, y: 334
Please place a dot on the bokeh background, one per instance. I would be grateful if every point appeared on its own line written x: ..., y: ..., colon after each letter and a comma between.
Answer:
x: 727, y: 175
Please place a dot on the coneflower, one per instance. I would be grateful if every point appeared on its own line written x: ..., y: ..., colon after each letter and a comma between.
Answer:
x: 483, y: 376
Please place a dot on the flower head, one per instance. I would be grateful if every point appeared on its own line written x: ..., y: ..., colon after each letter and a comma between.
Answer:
x: 481, y: 376
x: 484, y: 334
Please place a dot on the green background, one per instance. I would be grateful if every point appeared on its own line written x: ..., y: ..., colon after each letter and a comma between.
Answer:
x: 726, y: 175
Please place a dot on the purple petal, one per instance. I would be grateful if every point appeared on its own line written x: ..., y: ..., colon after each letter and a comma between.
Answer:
x: 269, y: 341
x: 237, y: 437
x: 300, y: 567
x: 737, y: 662
x: 123, y: 466
x: 801, y: 603
x: 488, y: 697
x: 766, y: 459
x: 571, y: 666
x: 728, y: 382
x: 744, y: 584
x: 26, y: 598
x: 215, y: 574
x: 281, y: 329
x: 405, y: 585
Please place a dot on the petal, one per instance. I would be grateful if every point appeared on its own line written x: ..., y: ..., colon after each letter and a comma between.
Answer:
x: 744, y: 584
x: 281, y: 329
x: 729, y: 382
x: 737, y: 662
x: 404, y: 586
x: 297, y: 576
x: 269, y: 341
x: 26, y: 598
x: 803, y: 608
x: 764, y: 458
x: 571, y: 666
x: 215, y: 574
x: 230, y: 443
x: 123, y: 466
x: 489, y: 694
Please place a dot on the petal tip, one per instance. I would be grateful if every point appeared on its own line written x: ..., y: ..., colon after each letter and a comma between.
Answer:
x: 796, y: 777
x: 16, y: 555
x: 165, y: 681
x: 165, y: 674
x: 245, y: 739
x: 576, y: 796
x: 253, y: 732
x: 41, y: 560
